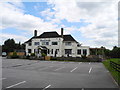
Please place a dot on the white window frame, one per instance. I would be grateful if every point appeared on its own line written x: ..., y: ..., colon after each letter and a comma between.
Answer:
x: 38, y: 43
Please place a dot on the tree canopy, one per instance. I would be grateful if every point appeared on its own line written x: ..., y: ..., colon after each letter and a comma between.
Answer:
x: 10, y: 46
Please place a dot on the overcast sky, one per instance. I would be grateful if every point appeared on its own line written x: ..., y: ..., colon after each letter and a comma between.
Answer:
x: 93, y: 22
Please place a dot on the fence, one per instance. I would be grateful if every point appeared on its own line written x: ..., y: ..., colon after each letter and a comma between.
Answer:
x: 115, y: 66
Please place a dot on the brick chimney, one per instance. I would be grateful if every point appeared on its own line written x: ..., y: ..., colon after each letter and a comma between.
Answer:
x: 62, y: 32
x: 35, y: 33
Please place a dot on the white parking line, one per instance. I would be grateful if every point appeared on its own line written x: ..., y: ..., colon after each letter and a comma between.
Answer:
x: 82, y: 89
x: 16, y: 84
x: 90, y: 69
x: 80, y: 62
x: 47, y: 87
x: 2, y: 78
x: 73, y: 69
x: 59, y: 68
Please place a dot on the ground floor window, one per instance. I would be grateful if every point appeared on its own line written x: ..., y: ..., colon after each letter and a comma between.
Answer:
x: 57, y: 50
x: 29, y: 50
x: 79, y: 51
x: 84, y: 51
x: 68, y: 51
x: 51, y: 51
x: 48, y: 51
x: 34, y: 50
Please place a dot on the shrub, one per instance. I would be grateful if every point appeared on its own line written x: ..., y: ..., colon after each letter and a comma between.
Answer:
x: 27, y: 57
x: 43, y: 55
x: 83, y: 57
x: 54, y: 58
x: 32, y: 54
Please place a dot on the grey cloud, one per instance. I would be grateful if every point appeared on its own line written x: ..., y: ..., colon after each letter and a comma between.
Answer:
x: 108, y: 35
x: 89, y: 5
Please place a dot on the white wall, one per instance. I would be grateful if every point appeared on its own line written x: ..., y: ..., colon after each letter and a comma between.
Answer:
x: 50, y: 46
x: 72, y: 46
x: 84, y: 47
x: 61, y: 46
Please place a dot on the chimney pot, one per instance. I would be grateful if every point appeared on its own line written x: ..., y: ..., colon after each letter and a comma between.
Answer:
x: 62, y: 32
x: 35, y: 33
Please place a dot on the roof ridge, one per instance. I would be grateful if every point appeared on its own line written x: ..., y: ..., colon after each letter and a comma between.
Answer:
x: 68, y: 34
x: 49, y: 31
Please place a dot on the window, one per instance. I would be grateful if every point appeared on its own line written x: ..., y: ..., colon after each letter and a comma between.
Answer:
x: 51, y: 51
x: 79, y: 51
x: 78, y: 45
x: 68, y: 51
x: 36, y: 43
x: 84, y: 51
x: 54, y: 43
x: 48, y: 51
x: 68, y: 43
x: 34, y: 50
x: 29, y: 50
x: 45, y: 43
x: 29, y: 44
x: 56, y: 51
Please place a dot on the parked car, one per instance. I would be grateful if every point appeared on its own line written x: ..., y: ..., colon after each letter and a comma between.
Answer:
x: 4, y: 54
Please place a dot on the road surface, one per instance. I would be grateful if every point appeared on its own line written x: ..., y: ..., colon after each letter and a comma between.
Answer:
x: 19, y: 73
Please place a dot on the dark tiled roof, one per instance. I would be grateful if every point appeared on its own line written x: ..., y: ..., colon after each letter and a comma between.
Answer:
x: 68, y: 38
x: 46, y: 35
x: 53, y: 35
x: 49, y: 35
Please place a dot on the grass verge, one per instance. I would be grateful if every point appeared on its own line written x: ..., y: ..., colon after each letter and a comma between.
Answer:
x: 115, y: 74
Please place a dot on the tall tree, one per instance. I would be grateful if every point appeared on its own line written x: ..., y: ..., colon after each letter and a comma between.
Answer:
x: 8, y: 46
x: 115, y: 53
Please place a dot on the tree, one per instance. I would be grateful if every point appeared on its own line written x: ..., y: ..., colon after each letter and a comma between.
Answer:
x: 18, y: 46
x: 8, y: 46
x: 115, y: 53
x: 11, y: 46
x: 23, y: 46
x: 107, y: 52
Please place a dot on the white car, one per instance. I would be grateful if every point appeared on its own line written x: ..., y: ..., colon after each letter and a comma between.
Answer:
x: 4, y: 54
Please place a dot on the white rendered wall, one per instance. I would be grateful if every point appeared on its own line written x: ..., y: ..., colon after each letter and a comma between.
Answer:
x: 61, y: 46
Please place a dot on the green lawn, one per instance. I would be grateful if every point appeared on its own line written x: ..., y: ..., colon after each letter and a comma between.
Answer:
x: 115, y: 74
